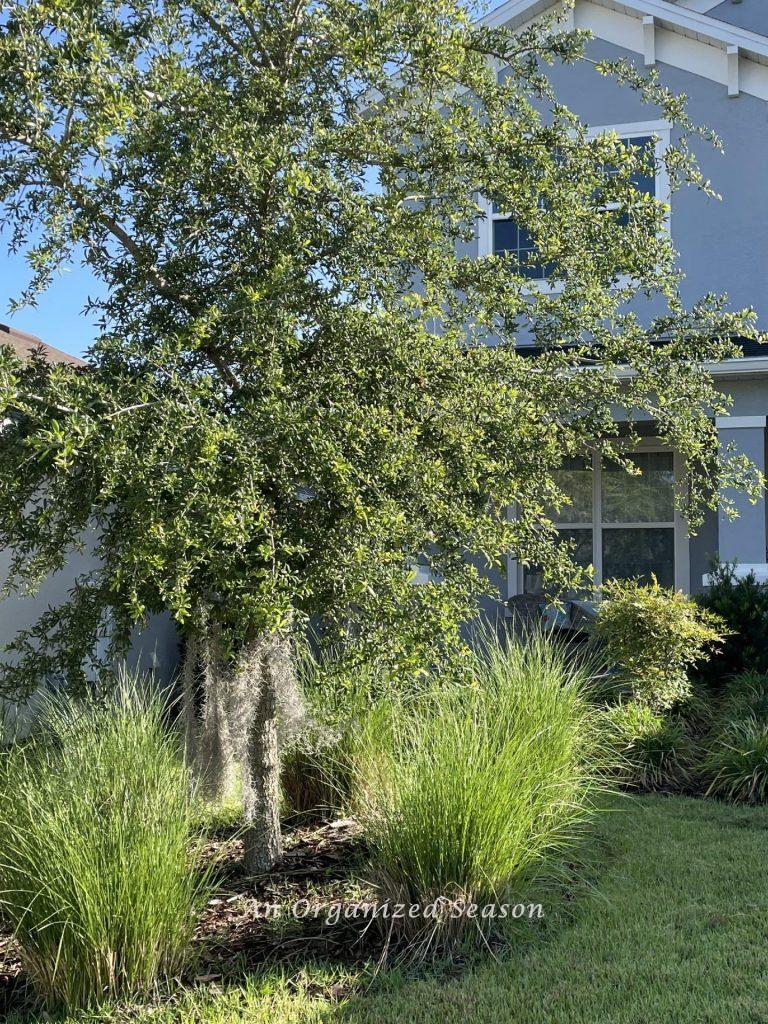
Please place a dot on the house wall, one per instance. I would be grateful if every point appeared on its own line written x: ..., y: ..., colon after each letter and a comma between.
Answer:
x: 723, y: 244
x: 154, y: 649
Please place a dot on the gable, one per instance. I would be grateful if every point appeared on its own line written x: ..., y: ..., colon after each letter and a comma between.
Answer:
x: 659, y: 31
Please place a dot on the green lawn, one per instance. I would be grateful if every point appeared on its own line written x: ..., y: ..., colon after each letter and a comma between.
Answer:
x: 676, y: 932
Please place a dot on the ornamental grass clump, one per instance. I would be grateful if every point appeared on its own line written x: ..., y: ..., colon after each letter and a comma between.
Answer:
x: 736, y: 762
x: 98, y: 869
x: 745, y: 695
x: 653, y: 751
x: 340, y: 692
x: 472, y: 794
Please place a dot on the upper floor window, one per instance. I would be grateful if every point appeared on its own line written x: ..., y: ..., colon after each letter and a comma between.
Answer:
x: 501, y: 235
x: 512, y: 239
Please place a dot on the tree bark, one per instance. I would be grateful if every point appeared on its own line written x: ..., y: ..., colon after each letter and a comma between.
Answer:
x: 270, y: 660
x: 190, y: 698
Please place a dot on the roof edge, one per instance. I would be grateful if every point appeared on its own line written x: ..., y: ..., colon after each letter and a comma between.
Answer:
x: 690, y: 22
x: 24, y: 344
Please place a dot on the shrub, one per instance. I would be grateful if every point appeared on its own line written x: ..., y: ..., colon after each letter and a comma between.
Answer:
x: 743, y: 605
x: 471, y: 793
x: 736, y: 763
x: 96, y: 872
x: 653, y: 750
x: 654, y: 636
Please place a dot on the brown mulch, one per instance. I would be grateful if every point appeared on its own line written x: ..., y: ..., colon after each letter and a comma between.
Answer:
x: 10, y: 964
x: 283, y: 916
x: 12, y: 981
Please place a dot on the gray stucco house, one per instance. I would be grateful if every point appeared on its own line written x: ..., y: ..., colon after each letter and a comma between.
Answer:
x: 717, y: 54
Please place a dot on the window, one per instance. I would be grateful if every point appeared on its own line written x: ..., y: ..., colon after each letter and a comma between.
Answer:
x: 623, y: 525
x: 637, y: 516
x: 500, y: 234
x: 643, y: 181
x: 511, y: 239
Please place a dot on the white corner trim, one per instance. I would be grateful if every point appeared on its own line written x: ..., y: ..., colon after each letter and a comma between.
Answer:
x: 649, y: 40
x: 630, y: 128
x: 732, y: 57
x: 734, y: 422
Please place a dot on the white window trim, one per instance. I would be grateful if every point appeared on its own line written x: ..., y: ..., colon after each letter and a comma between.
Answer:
x: 662, y: 131
x: 515, y: 570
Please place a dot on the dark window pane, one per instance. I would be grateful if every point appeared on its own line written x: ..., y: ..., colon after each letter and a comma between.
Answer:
x: 511, y: 239
x: 532, y: 270
x: 649, y: 498
x: 574, y: 478
x: 525, y: 239
x: 628, y: 554
x: 644, y: 181
x: 581, y: 553
x: 505, y: 236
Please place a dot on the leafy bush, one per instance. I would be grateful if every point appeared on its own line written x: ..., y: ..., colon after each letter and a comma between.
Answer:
x: 654, y: 636
x: 743, y: 605
x: 96, y: 875
x: 471, y: 793
x: 736, y: 763
x: 653, y: 750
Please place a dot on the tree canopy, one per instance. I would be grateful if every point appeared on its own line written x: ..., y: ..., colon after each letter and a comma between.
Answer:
x: 305, y: 379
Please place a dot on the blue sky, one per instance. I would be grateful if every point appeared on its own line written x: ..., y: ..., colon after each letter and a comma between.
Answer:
x: 58, y: 319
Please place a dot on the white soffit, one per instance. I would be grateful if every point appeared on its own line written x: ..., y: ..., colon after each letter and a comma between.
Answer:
x: 682, y: 37
x: 702, y: 6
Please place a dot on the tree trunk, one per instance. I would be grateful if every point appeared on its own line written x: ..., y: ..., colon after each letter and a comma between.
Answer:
x: 237, y: 718
x: 190, y: 699
x: 270, y: 664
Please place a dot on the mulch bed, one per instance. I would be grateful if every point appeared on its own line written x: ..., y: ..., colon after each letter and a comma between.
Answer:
x: 312, y: 907
x: 12, y: 983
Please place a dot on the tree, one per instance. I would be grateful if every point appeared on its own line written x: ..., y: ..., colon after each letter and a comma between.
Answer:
x: 293, y: 394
